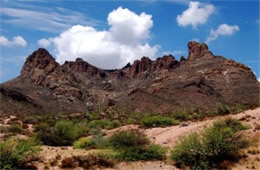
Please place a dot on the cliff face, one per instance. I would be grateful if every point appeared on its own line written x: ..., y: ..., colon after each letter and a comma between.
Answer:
x: 161, y: 86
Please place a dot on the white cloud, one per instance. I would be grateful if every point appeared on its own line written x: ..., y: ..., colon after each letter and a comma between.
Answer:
x: 222, y: 29
x: 125, y: 41
x: 197, y: 13
x: 44, y: 42
x: 44, y: 19
x: 18, y: 40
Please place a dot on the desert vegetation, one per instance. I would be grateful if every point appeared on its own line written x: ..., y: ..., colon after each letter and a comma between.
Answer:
x: 213, y: 145
x: 15, y: 153
x: 207, y: 148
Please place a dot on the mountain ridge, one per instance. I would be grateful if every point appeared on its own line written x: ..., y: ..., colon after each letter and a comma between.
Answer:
x: 160, y: 85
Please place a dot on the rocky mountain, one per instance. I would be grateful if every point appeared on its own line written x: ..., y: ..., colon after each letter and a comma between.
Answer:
x: 160, y: 85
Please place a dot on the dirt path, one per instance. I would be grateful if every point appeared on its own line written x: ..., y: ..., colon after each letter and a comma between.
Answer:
x: 170, y: 135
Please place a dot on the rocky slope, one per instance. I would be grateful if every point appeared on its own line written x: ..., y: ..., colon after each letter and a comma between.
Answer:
x: 159, y: 86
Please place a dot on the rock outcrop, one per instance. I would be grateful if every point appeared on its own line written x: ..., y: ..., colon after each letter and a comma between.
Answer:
x: 38, y: 65
x: 197, y: 50
x: 160, y: 85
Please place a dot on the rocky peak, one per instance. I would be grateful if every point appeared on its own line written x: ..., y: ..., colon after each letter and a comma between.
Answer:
x: 39, y: 62
x: 166, y: 62
x: 197, y: 50
x: 82, y: 66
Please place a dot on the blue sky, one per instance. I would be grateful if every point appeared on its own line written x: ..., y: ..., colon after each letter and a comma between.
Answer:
x: 111, y: 33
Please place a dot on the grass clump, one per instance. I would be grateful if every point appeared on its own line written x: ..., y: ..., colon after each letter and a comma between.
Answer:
x: 15, y: 153
x: 222, y: 109
x: 155, y: 121
x: 15, y: 128
x: 62, y: 134
x: 216, y: 143
x: 133, y: 145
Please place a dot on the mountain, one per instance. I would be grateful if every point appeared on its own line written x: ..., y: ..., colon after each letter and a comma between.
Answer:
x: 160, y: 85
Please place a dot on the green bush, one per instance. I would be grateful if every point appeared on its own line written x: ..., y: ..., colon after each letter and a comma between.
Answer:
x: 16, y: 152
x: 155, y: 152
x: 92, y: 116
x: 102, y: 124
x: 239, y: 108
x: 155, y: 121
x: 148, y: 152
x: 215, y: 144
x: 114, y: 124
x: 133, y: 145
x: 130, y: 121
x: 15, y: 128
x: 62, y: 134
x: 85, y: 142
x: 125, y: 139
x: 181, y: 115
x: 222, y: 109
x: 93, y: 142
x: 42, y: 126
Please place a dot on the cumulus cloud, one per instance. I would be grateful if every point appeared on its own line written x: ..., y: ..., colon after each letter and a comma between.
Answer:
x: 18, y: 40
x: 222, y: 29
x: 197, y: 13
x: 44, y: 42
x: 124, y: 41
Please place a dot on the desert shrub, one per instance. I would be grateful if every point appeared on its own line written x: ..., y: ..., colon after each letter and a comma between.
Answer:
x: 130, y: 121
x: 85, y: 142
x: 154, y: 152
x: 50, y: 119
x: 42, y: 126
x: 148, y: 152
x: 15, y: 128
x: 215, y: 144
x: 31, y: 119
x: 92, y: 116
x: 16, y: 152
x: 234, y: 124
x: 63, y: 133
x: 125, y: 139
x: 154, y: 121
x: 87, y: 161
x: 3, y: 129
x: 239, y: 108
x: 221, y: 109
x: 114, y: 124
x: 102, y: 124
x: 180, y: 115
x: 133, y: 145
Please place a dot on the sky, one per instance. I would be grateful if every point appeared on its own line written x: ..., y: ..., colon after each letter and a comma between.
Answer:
x: 111, y: 33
